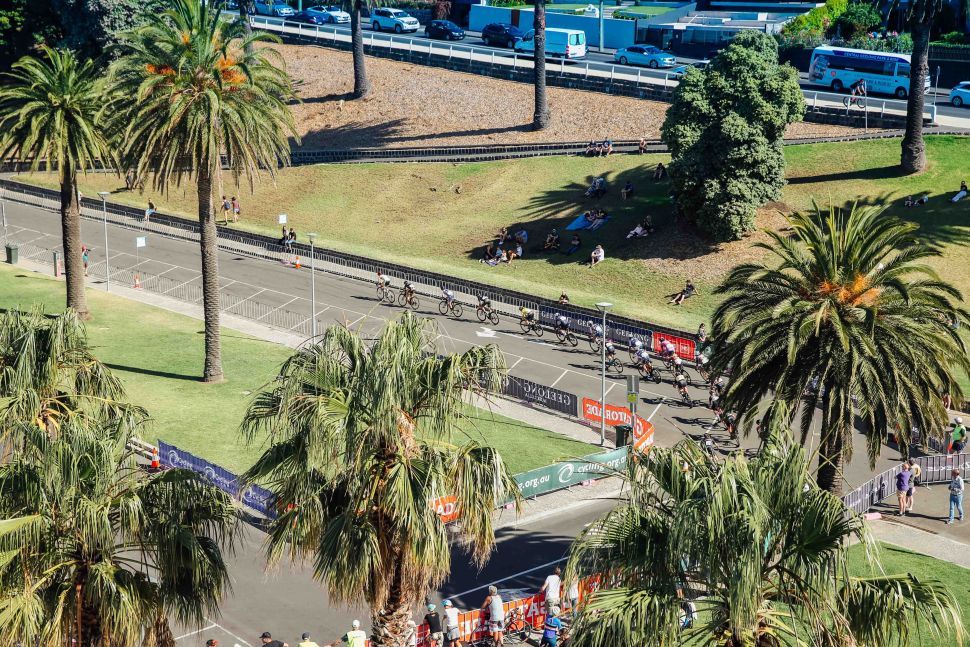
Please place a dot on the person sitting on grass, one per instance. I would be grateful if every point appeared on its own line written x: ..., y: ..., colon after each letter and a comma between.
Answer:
x: 513, y: 254
x: 564, y: 299
x: 637, y: 232
x: 918, y: 202
x: 552, y: 241
x: 521, y: 236
x: 962, y: 193
x: 627, y: 190
x: 688, y: 291
x: 489, y: 257
x: 590, y: 148
x: 642, y: 146
x: 607, y: 147
x: 597, y: 256
x: 599, y: 218
x: 660, y: 172
x: 574, y: 244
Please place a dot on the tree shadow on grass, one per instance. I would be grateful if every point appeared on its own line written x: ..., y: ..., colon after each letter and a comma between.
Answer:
x: 350, y: 136
x: 879, y: 173
x: 152, y: 372
x: 940, y: 221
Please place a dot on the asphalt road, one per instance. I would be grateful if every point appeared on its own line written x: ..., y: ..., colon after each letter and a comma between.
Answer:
x: 289, y: 602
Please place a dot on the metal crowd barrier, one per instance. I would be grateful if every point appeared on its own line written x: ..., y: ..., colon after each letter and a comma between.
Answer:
x: 934, y: 469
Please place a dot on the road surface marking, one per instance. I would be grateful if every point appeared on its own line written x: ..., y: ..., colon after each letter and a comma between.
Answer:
x: 508, y: 577
x: 656, y: 409
x: 559, y: 378
x: 197, y: 631
x: 485, y: 332
x: 516, y: 362
x: 278, y: 307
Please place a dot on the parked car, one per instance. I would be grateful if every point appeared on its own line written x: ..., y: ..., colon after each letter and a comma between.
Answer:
x: 393, y: 20
x: 444, y: 30
x: 560, y: 43
x: 332, y: 15
x: 960, y: 94
x: 308, y: 18
x: 278, y: 9
x: 644, y: 55
x: 678, y: 72
x: 500, y: 34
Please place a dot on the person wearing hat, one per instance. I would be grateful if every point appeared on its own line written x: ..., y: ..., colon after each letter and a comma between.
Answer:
x: 355, y: 637
x: 433, y: 620
x: 306, y: 642
x: 212, y: 642
x: 551, y: 628
x: 958, y: 437
x: 496, y: 614
x: 452, y: 629
x: 267, y: 640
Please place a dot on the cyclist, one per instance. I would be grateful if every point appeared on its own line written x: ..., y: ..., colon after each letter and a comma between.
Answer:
x: 551, y: 629
x: 562, y: 323
x: 527, y: 315
x: 642, y: 358
x: 667, y: 348
x: 680, y: 381
x: 484, y: 302
x: 708, y: 444
x: 858, y: 88
x: 383, y: 281
x: 635, y: 345
x: 448, y: 296
x: 408, y: 290
x: 729, y: 424
x: 596, y: 330
x: 679, y: 366
x: 610, y: 351
x: 496, y: 614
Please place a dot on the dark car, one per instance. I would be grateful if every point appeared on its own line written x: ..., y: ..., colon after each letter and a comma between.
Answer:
x: 444, y: 30
x: 308, y: 18
x: 500, y: 34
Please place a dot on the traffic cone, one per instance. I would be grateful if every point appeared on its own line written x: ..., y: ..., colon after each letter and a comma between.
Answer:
x: 137, y: 282
x: 155, y: 464
x: 296, y: 263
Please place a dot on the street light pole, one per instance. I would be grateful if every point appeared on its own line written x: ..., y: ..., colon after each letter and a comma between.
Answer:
x: 313, y: 289
x: 104, y: 213
x: 603, y: 307
x: 601, y: 27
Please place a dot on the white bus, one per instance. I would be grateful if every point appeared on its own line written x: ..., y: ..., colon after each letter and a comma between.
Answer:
x: 839, y: 67
x: 560, y: 43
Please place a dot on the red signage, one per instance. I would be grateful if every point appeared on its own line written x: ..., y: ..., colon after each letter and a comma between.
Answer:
x: 446, y: 507
x: 642, y: 432
x: 684, y: 347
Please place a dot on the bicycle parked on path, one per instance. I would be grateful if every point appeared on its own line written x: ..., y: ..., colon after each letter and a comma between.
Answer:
x: 516, y: 630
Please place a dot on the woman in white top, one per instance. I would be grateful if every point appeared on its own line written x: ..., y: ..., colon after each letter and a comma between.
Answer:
x: 597, y: 256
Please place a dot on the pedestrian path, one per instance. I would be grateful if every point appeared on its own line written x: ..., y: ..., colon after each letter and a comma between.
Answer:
x: 922, y: 541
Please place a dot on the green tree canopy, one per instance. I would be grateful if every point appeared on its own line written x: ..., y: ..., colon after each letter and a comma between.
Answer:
x: 758, y: 548
x: 363, y: 437
x: 725, y: 131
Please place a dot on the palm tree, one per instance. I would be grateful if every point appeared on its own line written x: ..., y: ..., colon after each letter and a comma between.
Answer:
x: 48, y: 375
x: 362, y: 438
x: 108, y: 551
x: 760, y: 551
x: 851, y: 320
x: 185, y: 92
x: 50, y: 111
x: 361, y: 82
x: 922, y: 13
x: 540, y: 119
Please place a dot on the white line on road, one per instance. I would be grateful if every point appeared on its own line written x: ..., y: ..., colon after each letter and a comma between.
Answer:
x: 516, y: 363
x: 559, y: 378
x: 197, y: 631
x: 278, y: 307
x: 235, y: 636
x: 655, y: 409
x: 508, y: 577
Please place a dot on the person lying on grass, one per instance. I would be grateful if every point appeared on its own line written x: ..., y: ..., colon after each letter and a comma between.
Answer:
x: 679, y: 297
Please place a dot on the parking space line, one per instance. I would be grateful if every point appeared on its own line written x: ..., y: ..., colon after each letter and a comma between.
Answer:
x: 194, y: 278
x: 559, y: 378
x: 278, y: 307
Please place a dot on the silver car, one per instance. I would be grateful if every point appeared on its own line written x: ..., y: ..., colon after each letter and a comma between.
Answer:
x: 330, y: 14
x: 279, y: 9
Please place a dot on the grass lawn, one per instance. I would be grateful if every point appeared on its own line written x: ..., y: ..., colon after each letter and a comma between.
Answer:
x: 439, y: 217
x: 158, y: 355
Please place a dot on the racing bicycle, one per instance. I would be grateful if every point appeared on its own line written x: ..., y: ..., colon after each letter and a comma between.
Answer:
x: 385, y: 293
x: 453, y: 307
x: 486, y: 313
x: 530, y: 325
x: 408, y: 299
x: 648, y: 371
x: 614, y: 365
x: 566, y: 335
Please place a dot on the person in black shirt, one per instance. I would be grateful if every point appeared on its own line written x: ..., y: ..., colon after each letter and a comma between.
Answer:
x: 433, y: 620
x: 267, y: 641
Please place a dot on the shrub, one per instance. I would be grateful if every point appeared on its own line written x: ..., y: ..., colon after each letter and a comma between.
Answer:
x: 818, y: 20
x: 859, y: 18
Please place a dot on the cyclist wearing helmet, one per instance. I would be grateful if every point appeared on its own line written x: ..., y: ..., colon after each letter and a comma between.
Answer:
x: 642, y: 358
x: 448, y: 296
x: 562, y: 323
x: 667, y: 348
x: 383, y: 281
x: 527, y: 315
x: 408, y: 289
x: 496, y: 614
x: 635, y: 344
x: 610, y: 351
x: 680, y: 381
x: 596, y: 329
x: 484, y: 301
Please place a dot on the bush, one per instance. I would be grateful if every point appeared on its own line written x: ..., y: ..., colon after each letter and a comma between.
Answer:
x: 901, y: 43
x: 953, y: 38
x: 859, y: 18
x: 818, y: 20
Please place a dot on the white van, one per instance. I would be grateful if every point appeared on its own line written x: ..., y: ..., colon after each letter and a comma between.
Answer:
x: 560, y: 43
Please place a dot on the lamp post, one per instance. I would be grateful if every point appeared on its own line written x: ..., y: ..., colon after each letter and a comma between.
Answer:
x: 104, y: 213
x: 313, y: 289
x: 601, y: 27
x: 603, y: 307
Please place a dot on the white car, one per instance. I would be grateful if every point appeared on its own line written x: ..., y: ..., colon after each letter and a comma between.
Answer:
x: 329, y: 14
x: 644, y: 55
x: 279, y: 9
x: 960, y: 94
x: 393, y: 20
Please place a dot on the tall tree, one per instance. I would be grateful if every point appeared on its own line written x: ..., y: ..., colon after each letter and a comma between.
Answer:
x: 920, y: 19
x: 725, y: 131
x: 50, y: 113
x: 762, y: 553
x: 361, y: 82
x: 107, y: 551
x: 540, y: 118
x: 187, y: 99
x: 849, y: 321
x: 362, y: 438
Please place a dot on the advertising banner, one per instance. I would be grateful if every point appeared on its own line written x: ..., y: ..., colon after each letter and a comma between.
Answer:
x: 643, y: 431
x: 546, y: 396
x: 572, y: 472
x: 622, y: 334
x: 683, y: 346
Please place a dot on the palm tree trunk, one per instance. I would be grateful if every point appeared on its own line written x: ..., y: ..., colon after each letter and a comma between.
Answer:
x: 830, y: 457
x: 361, y: 84
x: 71, y: 238
x: 208, y: 241
x: 389, y: 625
x: 244, y: 17
x: 540, y: 119
x: 913, y: 157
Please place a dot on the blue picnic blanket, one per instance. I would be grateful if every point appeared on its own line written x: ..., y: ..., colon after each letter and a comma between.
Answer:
x: 581, y: 223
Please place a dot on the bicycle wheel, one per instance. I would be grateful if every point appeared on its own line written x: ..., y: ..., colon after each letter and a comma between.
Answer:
x: 526, y: 326
x: 493, y: 317
x: 861, y: 103
x: 456, y: 310
x: 401, y: 299
x: 571, y: 338
x: 388, y: 296
x: 481, y: 314
x: 560, y: 335
x: 413, y: 302
x: 595, y: 344
x: 655, y: 375
x: 615, y: 366
x: 443, y: 307
x: 847, y: 101
x: 538, y: 329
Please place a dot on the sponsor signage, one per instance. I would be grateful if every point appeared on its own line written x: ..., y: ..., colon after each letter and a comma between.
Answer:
x: 572, y: 472
x: 578, y: 322
x: 617, y: 416
x: 536, y: 393
x: 683, y: 346
x: 623, y: 334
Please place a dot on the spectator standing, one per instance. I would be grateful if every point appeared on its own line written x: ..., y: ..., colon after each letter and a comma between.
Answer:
x: 226, y: 208
x: 552, y: 587
x: 85, y: 258
x: 958, y: 437
x: 916, y: 471
x: 355, y: 637
x: 412, y: 637
x: 235, y: 209
x: 496, y: 614
x: 551, y: 628
x: 267, y: 641
x: 305, y: 642
x: 452, y: 628
x: 433, y: 620
x: 902, y: 488
x: 642, y: 146
x: 702, y: 334
x: 573, y: 594
x: 956, y: 495
x: 150, y: 211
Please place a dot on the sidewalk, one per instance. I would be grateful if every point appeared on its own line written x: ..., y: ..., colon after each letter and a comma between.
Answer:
x: 921, y: 541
